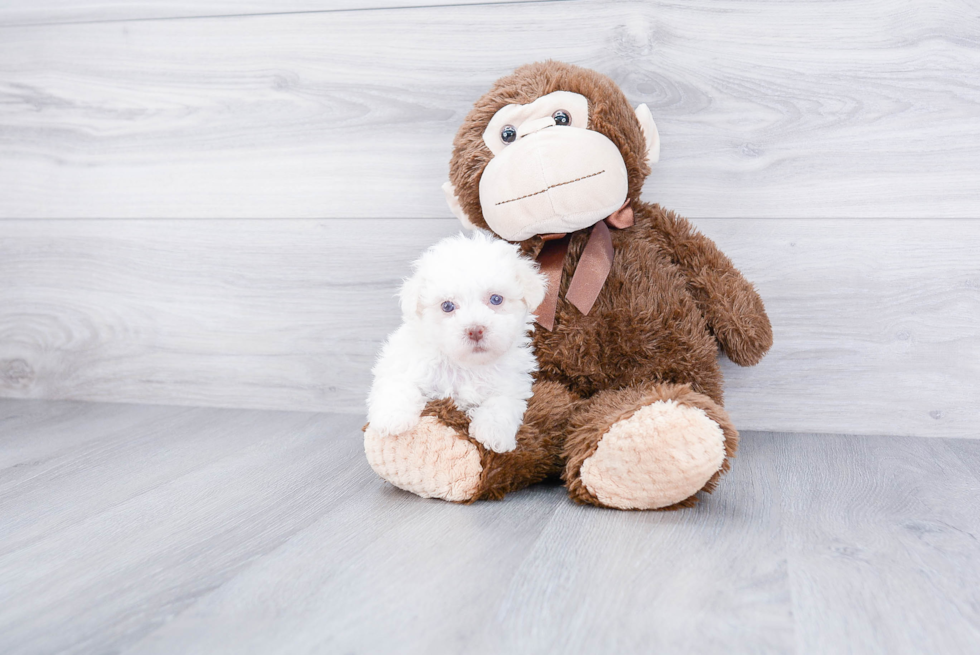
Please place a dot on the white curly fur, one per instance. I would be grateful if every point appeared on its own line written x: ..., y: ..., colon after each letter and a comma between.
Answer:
x: 432, y: 356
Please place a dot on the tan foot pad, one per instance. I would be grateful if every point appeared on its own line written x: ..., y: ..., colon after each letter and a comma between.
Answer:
x: 661, y: 455
x: 430, y: 461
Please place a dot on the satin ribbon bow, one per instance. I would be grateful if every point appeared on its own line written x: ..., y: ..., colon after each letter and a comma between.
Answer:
x: 590, y: 273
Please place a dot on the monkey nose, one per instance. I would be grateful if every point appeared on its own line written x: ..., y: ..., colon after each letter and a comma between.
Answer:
x: 529, y: 127
x: 475, y: 333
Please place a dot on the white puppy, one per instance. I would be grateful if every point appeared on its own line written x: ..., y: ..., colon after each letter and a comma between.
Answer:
x: 467, y: 313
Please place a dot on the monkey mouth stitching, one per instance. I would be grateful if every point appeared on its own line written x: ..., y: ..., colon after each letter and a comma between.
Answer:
x: 536, y: 193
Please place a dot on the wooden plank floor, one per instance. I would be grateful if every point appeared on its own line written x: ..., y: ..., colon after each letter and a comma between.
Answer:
x: 151, y: 529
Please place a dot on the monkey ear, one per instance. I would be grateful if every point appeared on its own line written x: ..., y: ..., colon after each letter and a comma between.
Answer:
x: 455, y: 207
x: 650, y: 133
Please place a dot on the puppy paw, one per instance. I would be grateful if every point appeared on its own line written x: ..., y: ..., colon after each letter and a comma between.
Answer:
x: 391, y: 421
x: 499, y: 436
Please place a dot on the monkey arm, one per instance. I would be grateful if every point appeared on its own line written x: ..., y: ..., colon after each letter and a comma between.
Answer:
x: 731, y: 305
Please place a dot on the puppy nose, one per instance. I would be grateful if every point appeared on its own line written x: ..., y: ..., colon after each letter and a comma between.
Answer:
x: 475, y: 333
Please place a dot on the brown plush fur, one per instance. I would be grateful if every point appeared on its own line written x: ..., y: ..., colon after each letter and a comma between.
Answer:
x: 671, y: 299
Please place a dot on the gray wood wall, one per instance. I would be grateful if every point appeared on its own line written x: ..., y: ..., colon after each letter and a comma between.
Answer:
x: 212, y: 203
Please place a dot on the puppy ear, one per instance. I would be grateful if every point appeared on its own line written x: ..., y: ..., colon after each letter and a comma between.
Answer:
x: 650, y: 133
x: 455, y: 207
x: 410, y: 296
x: 533, y: 284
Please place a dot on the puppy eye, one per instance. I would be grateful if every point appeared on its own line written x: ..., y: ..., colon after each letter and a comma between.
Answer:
x: 508, y: 134
x: 448, y: 307
x: 495, y: 299
x: 562, y: 117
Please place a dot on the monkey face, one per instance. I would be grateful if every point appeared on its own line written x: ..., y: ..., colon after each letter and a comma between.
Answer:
x: 550, y: 173
x: 552, y: 148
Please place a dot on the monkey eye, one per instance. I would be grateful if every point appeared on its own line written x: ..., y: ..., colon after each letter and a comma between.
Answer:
x: 562, y: 117
x: 496, y: 299
x: 448, y: 306
x: 508, y: 134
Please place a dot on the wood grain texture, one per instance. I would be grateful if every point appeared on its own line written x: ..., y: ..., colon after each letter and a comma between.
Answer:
x: 18, y: 13
x: 876, y: 325
x: 647, y: 582
x: 881, y: 541
x: 968, y: 450
x: 111, y: 537
x: 875, y: 321
x: 232, y: 531
x: 265, y: 314
x: 860, y: 108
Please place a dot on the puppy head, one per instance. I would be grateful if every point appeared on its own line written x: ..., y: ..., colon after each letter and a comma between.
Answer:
x: 473, y: 297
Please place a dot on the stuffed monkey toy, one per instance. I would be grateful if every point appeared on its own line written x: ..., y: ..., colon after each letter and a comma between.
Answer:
x: 627, y: 404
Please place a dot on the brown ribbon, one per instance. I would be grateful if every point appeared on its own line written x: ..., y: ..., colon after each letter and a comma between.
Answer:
x: 592, y: 270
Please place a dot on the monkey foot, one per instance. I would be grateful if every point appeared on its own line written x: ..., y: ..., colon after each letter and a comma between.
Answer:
x: 431, y: 460
x: 661, y: 455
